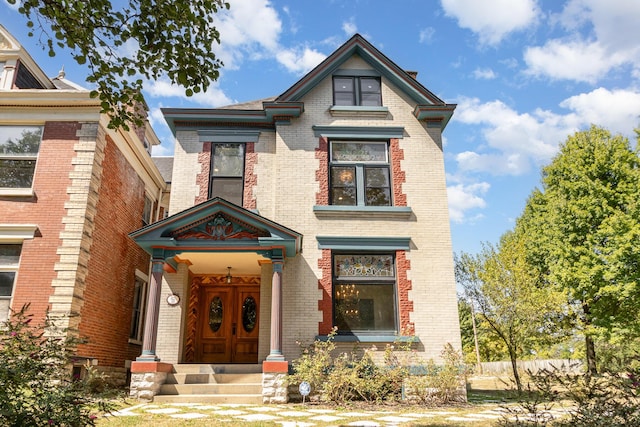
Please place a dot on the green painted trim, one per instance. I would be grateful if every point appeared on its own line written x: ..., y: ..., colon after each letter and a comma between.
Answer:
x: 228, y: 135
x: 353, y: 72
x: 376, y: 212
x: 358, y: 110
x: 386, y: 338
x: 373, y: 132
x: 435, y: 113
x: 371, y: 243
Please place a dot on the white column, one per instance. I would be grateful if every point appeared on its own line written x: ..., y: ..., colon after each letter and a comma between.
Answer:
x: 275, y: 352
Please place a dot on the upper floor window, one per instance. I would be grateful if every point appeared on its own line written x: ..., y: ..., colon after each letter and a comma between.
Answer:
x: 19, y: 147
x: 227, y: 172
x: 9, y: 262
x: 359, y: 173
x: 364, y: 91
x: 364, y: 293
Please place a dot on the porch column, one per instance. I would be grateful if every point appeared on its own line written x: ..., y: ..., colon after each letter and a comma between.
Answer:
x: 276, y: 312
x: 151, y: 317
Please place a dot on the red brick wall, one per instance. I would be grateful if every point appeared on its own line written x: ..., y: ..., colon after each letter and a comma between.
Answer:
x: 46, y: 209
x: 322, y: 174
x: 202, y: 179
x: 404, y: 286
x: 325, y: 305
x: 108, y: 296
x: 398, y: 176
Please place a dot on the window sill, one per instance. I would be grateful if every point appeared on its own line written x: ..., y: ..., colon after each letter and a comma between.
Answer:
x: 368, y: 212
x: 383, y: 338
x: 358, y: 110
x: 134, y: 342
x: 16, y: 192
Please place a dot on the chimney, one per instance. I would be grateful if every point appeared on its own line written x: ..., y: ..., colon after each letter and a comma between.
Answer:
x: 412, y: 74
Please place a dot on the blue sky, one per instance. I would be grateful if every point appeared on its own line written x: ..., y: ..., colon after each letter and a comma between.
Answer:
x: 525, y: 75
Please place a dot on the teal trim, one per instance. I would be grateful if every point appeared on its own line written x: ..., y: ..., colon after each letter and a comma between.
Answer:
x: 228, y: 135
x: 440, y: 114
x: 403, y: 212
x: 155, y: 238
x: 358, y: 109
x: 382, y: 338
x: 359, y: 132
x: 371, y: 243
x: 353, y: 72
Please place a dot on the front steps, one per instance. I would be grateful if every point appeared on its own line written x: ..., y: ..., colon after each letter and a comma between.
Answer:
x: 203, y: 383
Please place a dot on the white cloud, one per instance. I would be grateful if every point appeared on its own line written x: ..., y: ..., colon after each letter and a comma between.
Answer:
x: 213, y: 97
x: 463, y: 198
x: 300, y: 60
x: 602, y: 36
x: 484, y: 74
x: 615, y: 110
x: 426, y: 35
x: 492, y: 20
x: 579, y: 61
x: 349, y: 27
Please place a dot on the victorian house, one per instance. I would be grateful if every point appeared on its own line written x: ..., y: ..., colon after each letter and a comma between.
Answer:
x: 324, y: 207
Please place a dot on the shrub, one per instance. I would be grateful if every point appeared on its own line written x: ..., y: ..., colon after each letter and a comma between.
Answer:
x: 36, y: 388
x: 610, y: 399
x: 356, y: 376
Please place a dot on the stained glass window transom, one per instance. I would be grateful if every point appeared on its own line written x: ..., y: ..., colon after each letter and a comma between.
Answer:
x: 364, y: 266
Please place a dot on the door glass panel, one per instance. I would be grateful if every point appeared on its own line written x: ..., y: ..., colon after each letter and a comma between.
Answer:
x: 215, y: 314
x: 249, y: 314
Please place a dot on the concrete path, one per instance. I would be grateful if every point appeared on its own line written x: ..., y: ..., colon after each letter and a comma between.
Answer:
x: 306, y: 416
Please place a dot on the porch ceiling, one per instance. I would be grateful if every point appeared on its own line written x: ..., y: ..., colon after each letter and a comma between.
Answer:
x: 241, y: 263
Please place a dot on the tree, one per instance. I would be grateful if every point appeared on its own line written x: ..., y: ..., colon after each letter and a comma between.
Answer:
x: 124, y: 43
x: 583, y: 232
x: 502, y: 286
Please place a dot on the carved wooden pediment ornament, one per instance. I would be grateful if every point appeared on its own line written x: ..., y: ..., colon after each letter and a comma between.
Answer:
x: 220, y: 228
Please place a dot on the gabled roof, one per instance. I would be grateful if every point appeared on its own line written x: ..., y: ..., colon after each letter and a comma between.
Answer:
x: 217, y: 225
x: 267, y: 113
x: 376, y: 59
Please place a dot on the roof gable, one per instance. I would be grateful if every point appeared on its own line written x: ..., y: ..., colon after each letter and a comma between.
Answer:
x: 357, y: 45
x: 217, y: 225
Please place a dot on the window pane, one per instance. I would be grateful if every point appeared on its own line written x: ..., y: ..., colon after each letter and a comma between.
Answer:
x: 343, y: 196
x: 229, y: 189
x: 10, y: 254
x: 343, y: 91
x: 370, y: 92
x: 16, y: 173
x: 20, y: 139
x: 343, y: 84
x: 6, y: 283
x: 363, y: 266
x: 377, y: 188
x: 228, y: 160
x: 358, y: 152
x: 365, y: 307
x: 344, y: 98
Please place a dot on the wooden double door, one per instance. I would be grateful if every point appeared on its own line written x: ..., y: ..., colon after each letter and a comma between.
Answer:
x: 228, y: 325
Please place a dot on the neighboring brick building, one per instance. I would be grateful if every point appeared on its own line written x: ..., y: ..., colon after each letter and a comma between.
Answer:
x: 70, y: 191
x: 323, y: 207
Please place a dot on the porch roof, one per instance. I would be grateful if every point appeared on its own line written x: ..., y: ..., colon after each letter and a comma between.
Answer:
x: 217, y: 226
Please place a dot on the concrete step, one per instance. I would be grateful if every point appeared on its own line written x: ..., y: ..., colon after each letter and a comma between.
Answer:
x: 250, y: 399
x: 254, y: 388
x: 184, y: 378
x: 200, y: 368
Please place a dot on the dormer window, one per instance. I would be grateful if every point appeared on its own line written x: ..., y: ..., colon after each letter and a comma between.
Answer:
x: 357, y: 90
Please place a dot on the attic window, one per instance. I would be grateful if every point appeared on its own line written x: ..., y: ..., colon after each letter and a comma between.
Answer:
x: 360, y: 90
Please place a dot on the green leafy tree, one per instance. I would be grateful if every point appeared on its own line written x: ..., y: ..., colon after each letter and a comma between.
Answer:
x: 502, y: 286
x: 123, y: 43
x: 583, y: 232
x: 36, y: 387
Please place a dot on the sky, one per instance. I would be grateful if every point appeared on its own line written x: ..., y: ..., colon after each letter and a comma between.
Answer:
x: 525, y: 75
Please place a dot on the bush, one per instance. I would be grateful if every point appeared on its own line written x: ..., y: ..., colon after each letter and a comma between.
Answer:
x: 355, y: 375
x: 36, y: 388
x: 610, y: 399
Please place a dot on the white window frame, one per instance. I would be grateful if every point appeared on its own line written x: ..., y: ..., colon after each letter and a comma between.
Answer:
x: 22, y: 191
x: 15, y: 234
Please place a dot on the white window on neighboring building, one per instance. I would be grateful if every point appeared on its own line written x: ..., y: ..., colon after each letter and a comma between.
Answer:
x: 139, y: 304
x: 9, y: 263
x: 19, y: 147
